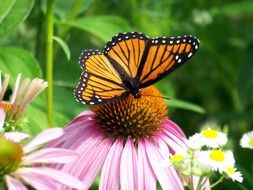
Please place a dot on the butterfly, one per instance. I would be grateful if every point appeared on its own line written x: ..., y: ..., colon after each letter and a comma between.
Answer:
x: 130, y: 61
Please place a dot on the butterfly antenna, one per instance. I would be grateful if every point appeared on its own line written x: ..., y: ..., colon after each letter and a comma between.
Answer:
x: 163, y: 97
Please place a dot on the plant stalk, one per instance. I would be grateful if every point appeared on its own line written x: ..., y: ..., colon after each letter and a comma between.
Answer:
x: 49, y: 58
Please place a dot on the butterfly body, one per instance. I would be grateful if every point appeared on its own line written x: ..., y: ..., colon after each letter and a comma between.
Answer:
x: 132, y: 87
x: 130, y: 61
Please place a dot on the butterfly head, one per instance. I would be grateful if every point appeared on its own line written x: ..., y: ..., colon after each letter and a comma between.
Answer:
x: 136, y: 94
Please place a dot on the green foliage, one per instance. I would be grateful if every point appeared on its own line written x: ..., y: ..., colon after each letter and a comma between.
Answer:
x: 245, y: 72
x: 64, y: 46
x: 12, y: 13
x: 104, y: 27
x: 15, y: 60
x: 175, y: 103
x: 216, y: 84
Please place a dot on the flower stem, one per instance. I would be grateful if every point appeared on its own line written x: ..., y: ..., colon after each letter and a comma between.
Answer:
x: 49, y: 58
x: 200, y: 182
x: 217, y: 182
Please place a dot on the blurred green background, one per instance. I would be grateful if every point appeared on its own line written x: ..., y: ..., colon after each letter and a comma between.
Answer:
x: 216, y: 85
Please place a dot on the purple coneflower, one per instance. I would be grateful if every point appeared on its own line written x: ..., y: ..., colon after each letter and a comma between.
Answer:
x: 23, y: 93
x: 21, y: 167
x: 128, y: 141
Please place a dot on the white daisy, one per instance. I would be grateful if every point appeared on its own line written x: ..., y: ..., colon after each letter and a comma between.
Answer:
x: 216, y: 159
x: 194, y: 142
x: 208, y: 137
x: 233, y: 174
x: 247, y: 140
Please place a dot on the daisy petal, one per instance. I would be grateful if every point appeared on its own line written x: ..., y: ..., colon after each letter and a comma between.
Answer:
x: 128, y: 167
x: 56, y: 175
x: 14, y: 184
x: 247, y: 140
x: 16, y: 136
x: 42, y: 138
x: 110, y: 171
x: 50, y: 155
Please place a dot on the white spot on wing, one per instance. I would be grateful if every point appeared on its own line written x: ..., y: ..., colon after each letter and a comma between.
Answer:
x: 190, y: 54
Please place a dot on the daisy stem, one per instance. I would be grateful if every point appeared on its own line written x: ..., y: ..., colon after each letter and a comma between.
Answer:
x: 217, y: 182
x: 49, y: 58
x: 199, y: 183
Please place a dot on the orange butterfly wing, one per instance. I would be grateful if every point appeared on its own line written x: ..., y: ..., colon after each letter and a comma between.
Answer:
x: 99, y: 83
x: 126, y: 51
x: 146, y: 60
x: 164, y: 55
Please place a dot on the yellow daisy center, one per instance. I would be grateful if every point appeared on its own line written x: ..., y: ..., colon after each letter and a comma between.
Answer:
x: 133, y: 117
x: 230, y: 170
x: 177, y: 158
x: 210, y: 133
x: 251, y: 142
x: 217, y: 155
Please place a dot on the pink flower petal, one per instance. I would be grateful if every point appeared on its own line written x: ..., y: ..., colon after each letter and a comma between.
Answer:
x: 171, y: 126
x: 167, y: 177
x: 86, y: 115
x: 92, y: 152
x: 146, y: 177
x: 42, y: 138
x: 50, y: 155
x: 110, y: 172
x: 15, y: 89
x: 174, y: 146
x: 16, y: 136
x: 38, y: 181
x: 2, y: 118
x: 72, y: 139
x: 163, y: 147
x: 13, y: 184
x: 128, y: 167
x: 53, y: 174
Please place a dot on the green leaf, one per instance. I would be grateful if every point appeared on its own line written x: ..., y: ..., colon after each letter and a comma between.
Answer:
x: 17, y: 60
x: 5, y: 8
x: 104, y: 27
x: 185, y: 105
x: 36, y: 115
x: 14, y: 14
x: 234, y: 9
x: 245, y: 82
x: 64, y: 46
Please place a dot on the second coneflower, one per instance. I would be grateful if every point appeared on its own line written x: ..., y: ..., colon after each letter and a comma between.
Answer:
x: 12, y: 109
x: 128, y: 140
